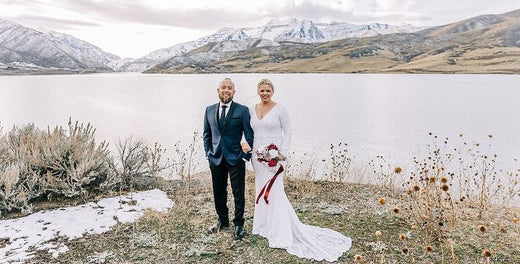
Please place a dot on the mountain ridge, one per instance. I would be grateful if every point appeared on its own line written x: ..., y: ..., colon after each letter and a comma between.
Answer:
x: 481, y: 44
x: 487, y: 43
x: 28, y: 49
x: 278, y: 31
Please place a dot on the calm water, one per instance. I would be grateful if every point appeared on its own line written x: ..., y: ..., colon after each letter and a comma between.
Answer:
x: 376, y: 114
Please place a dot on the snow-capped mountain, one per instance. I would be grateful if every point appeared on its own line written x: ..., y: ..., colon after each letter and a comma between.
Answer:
x: 305, y: 31
x: 86, y: 52
x: 214, y: 51
x: 275, y: 33
x: 26, y: 47
x: 161, y: 55
x: 23, y: 46
x: 293, y: 30
x: 224, y: 34
x: 339, y: 30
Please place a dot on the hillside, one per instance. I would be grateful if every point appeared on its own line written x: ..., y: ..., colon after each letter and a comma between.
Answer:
x: 24, y: 50
x: 483, y: 44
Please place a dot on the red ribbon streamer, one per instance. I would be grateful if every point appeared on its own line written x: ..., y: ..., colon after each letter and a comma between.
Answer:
x: 269, y: 184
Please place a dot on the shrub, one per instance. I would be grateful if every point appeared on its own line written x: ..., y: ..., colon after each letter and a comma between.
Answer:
x: 136, y: 165
x: 37, y: 164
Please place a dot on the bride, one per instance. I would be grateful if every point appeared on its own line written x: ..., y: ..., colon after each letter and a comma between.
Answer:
x: 274, y: 216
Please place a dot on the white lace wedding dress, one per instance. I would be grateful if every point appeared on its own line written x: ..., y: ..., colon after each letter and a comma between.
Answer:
x: 277, y: 221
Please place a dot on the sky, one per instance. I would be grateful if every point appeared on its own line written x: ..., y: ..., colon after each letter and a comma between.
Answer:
x: 134, y: 28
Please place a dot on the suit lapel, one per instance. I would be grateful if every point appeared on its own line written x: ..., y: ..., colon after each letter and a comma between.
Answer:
x: 215, y: 117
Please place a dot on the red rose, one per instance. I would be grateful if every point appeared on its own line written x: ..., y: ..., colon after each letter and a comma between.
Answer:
x: 272, y: 162
x: 272, y: 146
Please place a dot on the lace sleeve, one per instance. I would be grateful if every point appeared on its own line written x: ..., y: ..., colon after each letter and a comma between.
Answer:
x: 285, y: 122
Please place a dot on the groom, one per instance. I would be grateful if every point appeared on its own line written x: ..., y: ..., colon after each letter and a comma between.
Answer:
x: 224, y: 124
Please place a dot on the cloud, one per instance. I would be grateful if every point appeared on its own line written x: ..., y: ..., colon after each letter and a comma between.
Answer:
x: 137, y: 12
x: 52, y: 23
x: 393, y: 5
x: 200, y: 15
x: 318, y: 10
x: 208, y: 15
x: 356, y: 11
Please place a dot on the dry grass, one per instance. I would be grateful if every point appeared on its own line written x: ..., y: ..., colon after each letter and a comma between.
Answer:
x: 179, y: 236
x: 441, y: 211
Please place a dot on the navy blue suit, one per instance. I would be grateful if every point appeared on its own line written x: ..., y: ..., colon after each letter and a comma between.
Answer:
x: 225, y: 156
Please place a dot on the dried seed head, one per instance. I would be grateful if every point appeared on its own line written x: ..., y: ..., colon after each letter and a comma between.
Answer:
x: 358, y: 258
x: 428, y: 248
x: 444, y: 179
x: 515, y: 220
x: 382, y: 200
x: 490, y: 136
x: 405, y: 250
x: 378, y: 233
x: 416, y: 188
x: 395, y: 210
x: 398, y: 170
x: 486, y: 253
x: 433, y: 179
x: 402, y: 237
x: 482, y: 228
x: 445, y: 187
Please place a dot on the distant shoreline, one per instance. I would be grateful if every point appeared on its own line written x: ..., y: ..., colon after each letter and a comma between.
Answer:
x: 4, y: 72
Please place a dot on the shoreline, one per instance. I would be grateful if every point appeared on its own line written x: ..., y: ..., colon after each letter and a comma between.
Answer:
x: 4, y: 72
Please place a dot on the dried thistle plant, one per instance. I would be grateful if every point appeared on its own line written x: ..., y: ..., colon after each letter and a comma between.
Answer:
x: 341, y: 162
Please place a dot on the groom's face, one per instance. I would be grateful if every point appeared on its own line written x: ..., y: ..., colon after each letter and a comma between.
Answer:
x: 226, y: 90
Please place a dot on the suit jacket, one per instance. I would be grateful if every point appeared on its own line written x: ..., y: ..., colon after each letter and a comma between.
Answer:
x: 222, y: 139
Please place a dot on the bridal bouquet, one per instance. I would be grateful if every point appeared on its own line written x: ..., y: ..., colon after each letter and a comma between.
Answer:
x: 268, y: 155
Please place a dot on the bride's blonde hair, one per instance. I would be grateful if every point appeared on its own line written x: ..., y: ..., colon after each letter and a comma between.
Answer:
x: 265, y: 81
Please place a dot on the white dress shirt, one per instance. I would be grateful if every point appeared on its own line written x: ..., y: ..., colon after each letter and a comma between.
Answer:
x: 220, y: 108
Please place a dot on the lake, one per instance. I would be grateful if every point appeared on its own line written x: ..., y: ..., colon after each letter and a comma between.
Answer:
x: 375, y: 114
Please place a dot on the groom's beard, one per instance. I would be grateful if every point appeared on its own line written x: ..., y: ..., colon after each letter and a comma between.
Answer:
x: 225, y: 99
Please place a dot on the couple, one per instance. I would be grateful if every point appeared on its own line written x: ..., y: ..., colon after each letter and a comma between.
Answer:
x: 230, y: 129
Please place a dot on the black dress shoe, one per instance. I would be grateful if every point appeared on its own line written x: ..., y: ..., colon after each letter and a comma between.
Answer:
x: 239, y: 232
x: 216, y: 227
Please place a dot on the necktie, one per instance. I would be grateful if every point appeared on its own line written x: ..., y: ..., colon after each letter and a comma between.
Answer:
x: 223, y: 114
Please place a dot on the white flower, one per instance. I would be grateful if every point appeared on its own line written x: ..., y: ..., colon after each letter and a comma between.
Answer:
x: 273, y: 153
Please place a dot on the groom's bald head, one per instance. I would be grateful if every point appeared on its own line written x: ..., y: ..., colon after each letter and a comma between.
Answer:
x: 227, y: 81
x: 226, y: 90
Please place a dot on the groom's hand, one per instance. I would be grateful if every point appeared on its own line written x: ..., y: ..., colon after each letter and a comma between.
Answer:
x: 245, y: 147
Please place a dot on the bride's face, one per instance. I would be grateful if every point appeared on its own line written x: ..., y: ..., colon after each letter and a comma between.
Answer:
x: 265, y: 91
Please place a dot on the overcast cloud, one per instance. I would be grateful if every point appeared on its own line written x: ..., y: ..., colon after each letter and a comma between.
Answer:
x: 154, y: 24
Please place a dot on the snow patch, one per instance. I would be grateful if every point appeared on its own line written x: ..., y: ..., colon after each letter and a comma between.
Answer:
x: 33, y: 232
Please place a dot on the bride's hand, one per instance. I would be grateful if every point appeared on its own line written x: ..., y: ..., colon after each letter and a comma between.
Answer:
x: 281, y: 157
x: 245, y: 147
